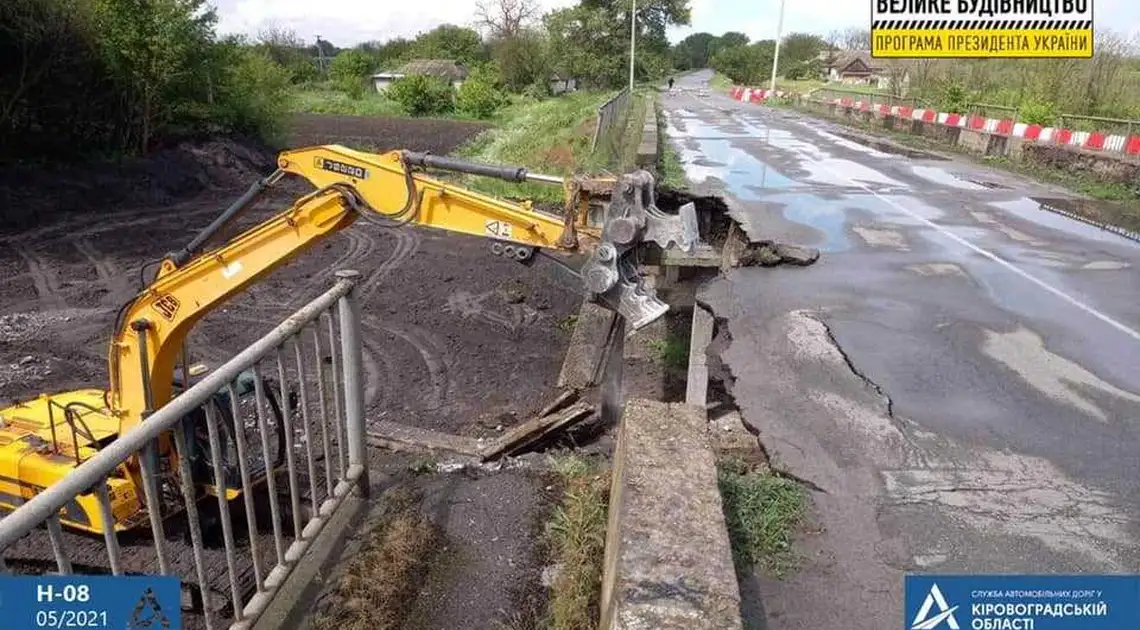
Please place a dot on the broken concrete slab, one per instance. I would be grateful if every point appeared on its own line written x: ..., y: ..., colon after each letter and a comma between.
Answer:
x: 668, y: 562
x: 697, y: 383
x: 769, y: 254
x: 796, y: 255
x: 587, y: 347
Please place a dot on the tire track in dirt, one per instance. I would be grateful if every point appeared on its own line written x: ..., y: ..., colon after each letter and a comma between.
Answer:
x: 407, y: 244
x: 114, y: 221
x: 371, y: 357
x: 113, y: 279
x: 359, y: 245
x: 45, y: 279
x: 438, y: 362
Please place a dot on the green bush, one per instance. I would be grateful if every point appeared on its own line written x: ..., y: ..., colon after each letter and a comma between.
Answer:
x: 255, y: 95
x: 1043, y: 114
x: 955, y: 98
x: 537, y: 90
x: 350, y: 71
x: 420, y: 95
x: 113, y: 77
x: 480, y: 95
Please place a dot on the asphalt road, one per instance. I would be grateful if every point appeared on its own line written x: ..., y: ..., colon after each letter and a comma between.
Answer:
x: 957, y: 374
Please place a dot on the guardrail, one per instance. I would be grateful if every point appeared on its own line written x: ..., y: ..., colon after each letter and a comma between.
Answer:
x: 1103, y: 125
x: 870, y: 97
x: 989, y: 110
x: 334, y: 417
x: 612, y: 116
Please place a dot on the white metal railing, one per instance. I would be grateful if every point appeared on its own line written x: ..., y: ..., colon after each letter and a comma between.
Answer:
x: 611, y: 115
x: 330, y: 439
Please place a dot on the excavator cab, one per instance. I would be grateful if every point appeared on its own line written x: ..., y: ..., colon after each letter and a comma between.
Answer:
x: 195, y: 429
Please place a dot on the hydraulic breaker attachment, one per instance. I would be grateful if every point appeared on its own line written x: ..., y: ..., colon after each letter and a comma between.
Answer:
x: 632, y: 219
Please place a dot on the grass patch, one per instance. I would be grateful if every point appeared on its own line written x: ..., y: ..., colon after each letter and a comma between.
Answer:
x: 1079, y: 182
x: 670, y: 170
x: 550, y: 136
x: 568, y: 324
x: 336, y: 102
x: 672, y: 352
x: 576, y: 537
x: 381, y: 581
x: 762, y: 512
x: 720, y: 82
x: 803, y: 86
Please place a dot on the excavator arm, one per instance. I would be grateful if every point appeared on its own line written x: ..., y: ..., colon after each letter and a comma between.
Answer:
x: 152, y: 328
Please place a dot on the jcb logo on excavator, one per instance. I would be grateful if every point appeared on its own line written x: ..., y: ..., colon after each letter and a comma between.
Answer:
x: 340, y: 167
x: 167, y: 306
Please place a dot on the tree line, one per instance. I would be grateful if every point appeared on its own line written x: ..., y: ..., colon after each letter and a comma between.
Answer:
x: 112, y: 77
x: 115, y: 77
x: 512, y: 47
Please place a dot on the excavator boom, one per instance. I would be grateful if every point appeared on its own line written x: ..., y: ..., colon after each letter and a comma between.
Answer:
x: 389, y: 188
x: 350, y: 184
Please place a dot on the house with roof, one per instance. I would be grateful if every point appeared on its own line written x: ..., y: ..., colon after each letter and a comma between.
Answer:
x: 857, y: 67
x: 447, y: 69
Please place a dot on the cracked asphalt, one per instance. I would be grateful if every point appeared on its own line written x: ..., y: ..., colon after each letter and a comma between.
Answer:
x: 957, y: 374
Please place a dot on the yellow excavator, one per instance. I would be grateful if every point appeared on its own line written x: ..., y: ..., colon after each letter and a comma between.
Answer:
x: 42, y: 440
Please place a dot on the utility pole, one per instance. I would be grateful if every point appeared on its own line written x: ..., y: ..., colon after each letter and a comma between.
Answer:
x: 776, y: 58
x: 320, y: 55
x: 632, y: 42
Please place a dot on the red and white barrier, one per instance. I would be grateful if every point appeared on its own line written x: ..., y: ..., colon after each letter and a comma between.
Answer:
x: 1093, y: 141
x: 1089, y: 140
x: 754, y: 95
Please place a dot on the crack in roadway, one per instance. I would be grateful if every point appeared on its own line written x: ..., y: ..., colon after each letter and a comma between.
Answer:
x: 857, y: 372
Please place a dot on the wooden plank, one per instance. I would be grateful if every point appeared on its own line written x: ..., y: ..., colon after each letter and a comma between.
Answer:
x: 565, y: 398
x: 532, y: 431
x: 401, y: 437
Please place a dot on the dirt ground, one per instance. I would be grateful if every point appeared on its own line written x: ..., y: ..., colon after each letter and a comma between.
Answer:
x: 455, y: 339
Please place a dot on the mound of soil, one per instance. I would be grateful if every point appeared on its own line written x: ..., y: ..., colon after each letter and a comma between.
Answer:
x: 30, y: 195
x: 382, y: 134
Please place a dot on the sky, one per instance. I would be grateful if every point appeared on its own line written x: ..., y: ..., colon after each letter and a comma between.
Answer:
x: 349, y: 22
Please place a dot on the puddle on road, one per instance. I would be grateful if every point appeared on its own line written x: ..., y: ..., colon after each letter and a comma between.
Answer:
x: 732, y: 127
x: 824, y: 217
x: 822, y: 167
x: 1047, y: 212
x: 944, y: 177
x: 888, y: 147
x: 745, y: 177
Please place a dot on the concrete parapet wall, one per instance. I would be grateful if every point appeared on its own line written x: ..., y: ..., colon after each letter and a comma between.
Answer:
x: 668, y: 562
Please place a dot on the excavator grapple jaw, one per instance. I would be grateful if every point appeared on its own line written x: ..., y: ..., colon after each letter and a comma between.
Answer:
x: 633, y: 220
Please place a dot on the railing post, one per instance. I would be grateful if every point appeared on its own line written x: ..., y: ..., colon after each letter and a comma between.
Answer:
x: 352, y: 362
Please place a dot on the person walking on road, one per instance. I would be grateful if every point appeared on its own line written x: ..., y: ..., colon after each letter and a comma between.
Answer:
x: 670, y: 84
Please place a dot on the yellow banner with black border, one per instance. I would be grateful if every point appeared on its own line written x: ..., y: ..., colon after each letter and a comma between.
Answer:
x: 982, y: 43
x: 1041, y: 29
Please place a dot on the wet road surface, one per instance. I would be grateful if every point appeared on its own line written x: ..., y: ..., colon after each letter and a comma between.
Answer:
x: 958, y: 373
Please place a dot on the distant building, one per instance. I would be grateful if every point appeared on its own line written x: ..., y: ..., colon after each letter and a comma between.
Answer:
x: 857, y: 67
x: 560, y: 85
x: 447, y: 69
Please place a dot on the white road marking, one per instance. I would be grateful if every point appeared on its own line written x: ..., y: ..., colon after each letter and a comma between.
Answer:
x: 994, y: 257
